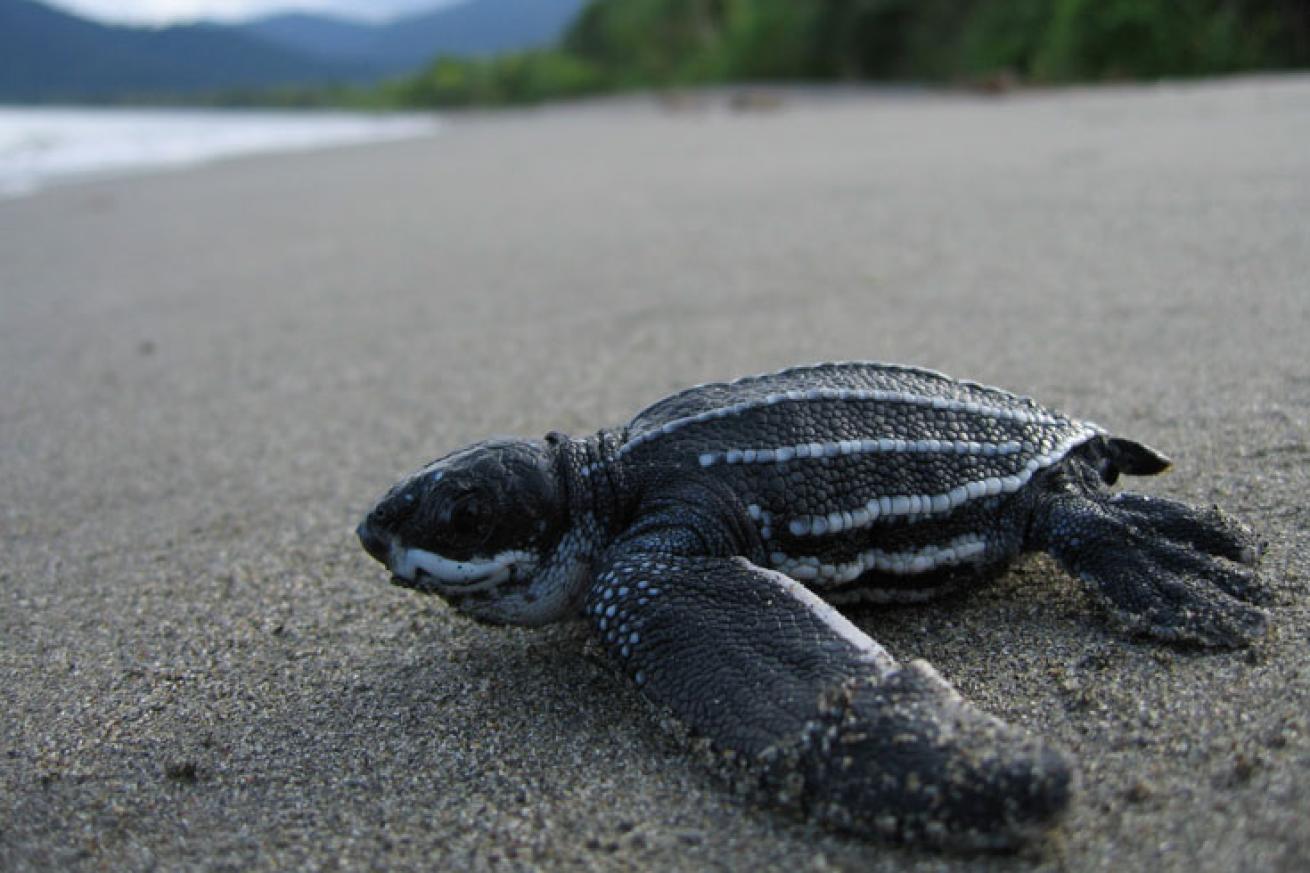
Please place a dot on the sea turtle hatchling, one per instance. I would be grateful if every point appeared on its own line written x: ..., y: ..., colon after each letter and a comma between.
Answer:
x: 705, y: 540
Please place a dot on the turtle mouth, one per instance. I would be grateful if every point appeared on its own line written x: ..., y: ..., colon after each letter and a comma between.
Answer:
x: 427, y: 583
x: 431, y: 573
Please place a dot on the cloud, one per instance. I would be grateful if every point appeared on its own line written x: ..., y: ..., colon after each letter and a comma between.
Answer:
x: 168, y: 11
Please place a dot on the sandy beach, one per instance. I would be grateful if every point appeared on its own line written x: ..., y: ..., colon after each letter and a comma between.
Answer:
x: 210, y: 374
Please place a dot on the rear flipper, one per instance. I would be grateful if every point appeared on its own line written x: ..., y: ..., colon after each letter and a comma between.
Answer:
x: 1211, y: 530
x: 1165, y: 568
x: 817, y: 713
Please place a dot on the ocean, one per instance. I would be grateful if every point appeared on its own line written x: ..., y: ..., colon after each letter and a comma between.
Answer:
x: 40, y: 146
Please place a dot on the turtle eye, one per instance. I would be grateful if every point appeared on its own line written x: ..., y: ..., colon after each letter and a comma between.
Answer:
x: 466, y: 517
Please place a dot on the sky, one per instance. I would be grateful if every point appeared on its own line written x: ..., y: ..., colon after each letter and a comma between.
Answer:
x: 170, y: 11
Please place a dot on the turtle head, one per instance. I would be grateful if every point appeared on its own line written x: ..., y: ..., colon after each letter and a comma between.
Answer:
x: 481, y: 528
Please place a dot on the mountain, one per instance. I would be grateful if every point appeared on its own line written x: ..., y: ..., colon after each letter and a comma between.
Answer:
x: 46, y: 54
x: 321, y: 35
x: 473, y: 27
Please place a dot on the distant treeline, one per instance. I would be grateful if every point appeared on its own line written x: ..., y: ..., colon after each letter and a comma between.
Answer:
x: 623, y: 44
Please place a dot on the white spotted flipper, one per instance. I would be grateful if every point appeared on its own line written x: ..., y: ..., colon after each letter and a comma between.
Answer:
x: 768, y: 672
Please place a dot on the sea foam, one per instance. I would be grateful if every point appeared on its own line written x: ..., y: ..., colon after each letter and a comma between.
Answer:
x: 40, y: 146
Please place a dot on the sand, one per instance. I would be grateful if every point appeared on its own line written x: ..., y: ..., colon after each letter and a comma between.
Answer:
x: 208, y: 375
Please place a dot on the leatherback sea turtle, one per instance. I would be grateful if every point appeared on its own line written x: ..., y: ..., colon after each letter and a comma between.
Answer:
x: 705, y: 540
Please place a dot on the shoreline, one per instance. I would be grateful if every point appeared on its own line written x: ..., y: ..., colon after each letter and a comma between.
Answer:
x: 338, y: 128
x: 44, y: 146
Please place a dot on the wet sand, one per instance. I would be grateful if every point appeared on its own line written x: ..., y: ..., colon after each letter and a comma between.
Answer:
x: 210, y: 374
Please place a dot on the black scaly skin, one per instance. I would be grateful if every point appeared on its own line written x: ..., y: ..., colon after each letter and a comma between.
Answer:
x: 699, y: 541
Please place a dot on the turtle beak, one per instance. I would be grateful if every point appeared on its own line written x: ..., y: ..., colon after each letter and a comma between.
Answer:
x: 374, y: 544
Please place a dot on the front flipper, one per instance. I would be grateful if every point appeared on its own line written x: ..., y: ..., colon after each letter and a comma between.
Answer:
x: 1166, y: 569
x: 819, y: 714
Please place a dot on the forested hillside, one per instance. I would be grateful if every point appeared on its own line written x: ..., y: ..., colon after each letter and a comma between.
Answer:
x: 618, y: 44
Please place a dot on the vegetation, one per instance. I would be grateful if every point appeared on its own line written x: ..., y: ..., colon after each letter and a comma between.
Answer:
x: 522, y: 77
x: 624, y: 44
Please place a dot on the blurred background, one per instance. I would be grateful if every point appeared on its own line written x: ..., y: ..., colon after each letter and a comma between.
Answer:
x: 399, y: 55
x: 434, y: 53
